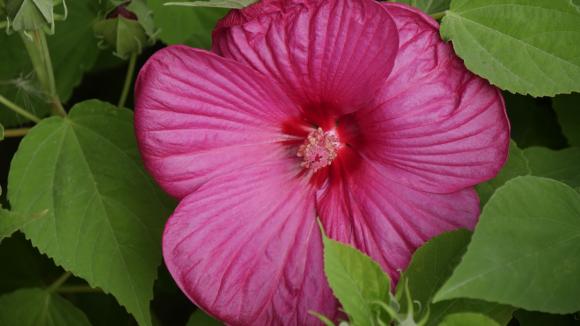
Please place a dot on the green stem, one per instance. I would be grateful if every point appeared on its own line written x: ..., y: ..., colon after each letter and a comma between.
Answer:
x: 128, y: 80
x: 39, y: 54
x: 12, y: 106
x: 438, y: 15
x: 59, y: 281
x: 78, y: 289
x: 19, y: 132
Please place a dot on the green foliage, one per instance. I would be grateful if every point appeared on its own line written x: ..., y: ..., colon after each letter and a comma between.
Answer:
x: 35, y: 307
x: 431, y: 266
x: 356, y: 280
x: 568, y: 110
x: 127, y: 36
x: 428, y: 6
x: 30, y: 15
x: 12, y: 222
x: 200, y: 318
x: 468, y: 318
x: 1, y: 132
x: 562, y: 165
x: 86, y: 171
x: 524, y: 251
x: 185, y: 25
x: 228, y: 4
x: 524, y: 46
x: 516, y: 165
x: 73, y: 51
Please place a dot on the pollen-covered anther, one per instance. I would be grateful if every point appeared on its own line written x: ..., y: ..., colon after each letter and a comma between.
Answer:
x: 320, y: 148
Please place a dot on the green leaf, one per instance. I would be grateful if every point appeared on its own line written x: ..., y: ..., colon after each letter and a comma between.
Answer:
x: 524, y: 46
x: 35, y: 307
x: 105, y: 213
x: 533, y: 122
x: 568, y: 110
x: 185, y: 25
x: 534, y: 318
x: 431, y: 266
x: 356, y: 281
x: 428, y: 6
x: 73, y: 50
x: 227, y: 4
x: 200, y: 318
x: 471, y: 319
x: 11, y: 222
x: 562, y: 165
x: 1, y: 132
x: 516, y: 165
x: 524, y: 251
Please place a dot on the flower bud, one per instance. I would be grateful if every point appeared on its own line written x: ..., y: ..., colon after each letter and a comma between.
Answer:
x: 127, y: 27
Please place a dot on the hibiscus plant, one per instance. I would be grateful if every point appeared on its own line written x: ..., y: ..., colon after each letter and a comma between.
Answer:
x: 290, y: 162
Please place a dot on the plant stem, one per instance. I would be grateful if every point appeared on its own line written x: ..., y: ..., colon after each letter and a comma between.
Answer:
x: 438, y: 15
x: 128, y: 80
x: 40, y: 57
x: 20, y: 132
x: 59, y: 281
x: 12, y: 106
x: 78, y: 289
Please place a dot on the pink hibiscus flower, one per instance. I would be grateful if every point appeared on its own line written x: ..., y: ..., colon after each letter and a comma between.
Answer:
x: 348, y: 110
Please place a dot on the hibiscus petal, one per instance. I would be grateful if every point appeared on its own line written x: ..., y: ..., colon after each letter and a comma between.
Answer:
x: 199, y: 115
x: 386, y: 220
x: 325, y: 53
x: 246, y: 248
x: 436, y: 126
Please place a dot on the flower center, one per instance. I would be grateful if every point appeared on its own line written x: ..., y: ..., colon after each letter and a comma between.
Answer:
x: 319, y: 149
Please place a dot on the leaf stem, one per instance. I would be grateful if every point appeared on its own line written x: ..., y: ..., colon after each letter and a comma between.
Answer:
x: 19, y: 132
x: 59, y: 281
x: 12, y: 106
x: 37, y: 48
x: 78, y: 289
x: 128, y: 80
x: 438, y: 15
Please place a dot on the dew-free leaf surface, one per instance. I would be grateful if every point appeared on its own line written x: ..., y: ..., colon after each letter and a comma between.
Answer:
x: 524, y: 46
x: 105, y: 214
x: 525, y: 251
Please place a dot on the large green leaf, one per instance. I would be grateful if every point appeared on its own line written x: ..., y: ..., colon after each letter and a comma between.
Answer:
x: 228, y: 4
x: 468, y: 319
x: 11, y: 222
x: 356, y: 280
x: 185, y: 25
x: 562, y: 165
x: 524, y: 46
x: 428, y: 6
x: 568, y: 110
x: 516, y: 165
x: 38, y: 307
x: 431, y: 266
x: 73, y: 50
x: 1, y: 132
x: 525, y: 249
x: 105, y: 214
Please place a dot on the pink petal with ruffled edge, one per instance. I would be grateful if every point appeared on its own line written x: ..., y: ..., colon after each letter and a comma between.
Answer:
x: 328, y: 55
x: 246, y: 247
x: 199, y: 115
x: 435, y: 126
x: 386, y: 220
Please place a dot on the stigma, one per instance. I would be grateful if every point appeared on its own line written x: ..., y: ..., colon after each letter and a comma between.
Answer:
x: 320, y: 148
